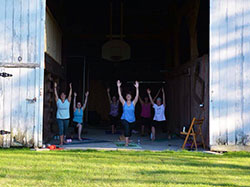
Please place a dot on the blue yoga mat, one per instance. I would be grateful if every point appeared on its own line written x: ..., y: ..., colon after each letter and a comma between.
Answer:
x: 110, y: 132
x: 85, y: 141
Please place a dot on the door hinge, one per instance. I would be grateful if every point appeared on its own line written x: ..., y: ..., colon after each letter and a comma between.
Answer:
x: 4, y: 74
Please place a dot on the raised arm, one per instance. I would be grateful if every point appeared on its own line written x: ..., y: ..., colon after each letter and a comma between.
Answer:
x: 164, y: 98
x: 137, y: 92
x: 119, y: 92
x: 157, y: 94
x: 149, y: 95
x: 74, y: 102
x: 55, y: 91
x: 108, y: 92
x: 86, y: 100
x: 70, y: 92
x: 141, y: 101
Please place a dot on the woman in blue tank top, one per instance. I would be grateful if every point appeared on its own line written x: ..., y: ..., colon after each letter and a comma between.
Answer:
x: 128, y: 115
x: 78, y: 114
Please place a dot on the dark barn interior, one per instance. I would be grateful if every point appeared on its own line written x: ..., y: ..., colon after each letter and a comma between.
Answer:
x: 169, y: 42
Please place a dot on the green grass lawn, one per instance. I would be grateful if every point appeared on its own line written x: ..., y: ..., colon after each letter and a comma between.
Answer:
x: 22, y: 167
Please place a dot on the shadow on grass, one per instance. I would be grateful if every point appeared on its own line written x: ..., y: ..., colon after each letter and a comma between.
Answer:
x: 171, y: 158
x: 148, y: 182
x: 103, y: 181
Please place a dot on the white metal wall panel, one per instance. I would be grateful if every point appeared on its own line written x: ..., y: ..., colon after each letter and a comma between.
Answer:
x: 20, y: 31
x: 17, y: 113
x: 229, y: 72
x: 22, y: 26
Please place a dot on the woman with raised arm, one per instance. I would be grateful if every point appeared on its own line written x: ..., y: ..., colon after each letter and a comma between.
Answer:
x: 146, y: 113
x: 159, y: 119
x: 78, y: 113
x: 62, y: 114
x: 114, y: 111
x: 128, y: 115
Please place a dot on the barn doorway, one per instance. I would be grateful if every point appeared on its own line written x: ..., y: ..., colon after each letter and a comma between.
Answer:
x: 169, y: 45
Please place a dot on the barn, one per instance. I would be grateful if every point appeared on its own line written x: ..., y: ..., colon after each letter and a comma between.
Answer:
x: 198, y: 50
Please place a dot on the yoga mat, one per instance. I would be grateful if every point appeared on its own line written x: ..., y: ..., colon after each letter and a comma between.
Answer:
x: 130, y: 145
x: 110, y: 132
x: 85, y: 141
x: 159, y: 140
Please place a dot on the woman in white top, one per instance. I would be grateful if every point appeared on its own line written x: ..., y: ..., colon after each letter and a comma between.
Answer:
x: 159, y: 108
x: 62, y: 113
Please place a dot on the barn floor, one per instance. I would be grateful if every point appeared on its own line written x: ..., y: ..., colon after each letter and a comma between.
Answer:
x: 101, y: 139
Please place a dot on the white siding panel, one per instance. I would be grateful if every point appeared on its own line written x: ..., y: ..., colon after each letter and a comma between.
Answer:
x: 1, y: 109
x: 17, y: 110
x: 20, y: 28
x: 214, y: 75
x: 7, y: 110
x: 246, y: 74
x: 22, y: 24
x: 8, y: 31
x: 229, y: 72
x: 2, y: 29
x: 16, y: 37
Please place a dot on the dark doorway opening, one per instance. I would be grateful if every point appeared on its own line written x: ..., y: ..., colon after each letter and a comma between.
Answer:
x: 168, y: 41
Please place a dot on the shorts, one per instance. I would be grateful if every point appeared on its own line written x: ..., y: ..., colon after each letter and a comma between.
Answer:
x: 146, y: 121
x: 114, y: 120
x: 76, y: 123
x: 63, y: 126
x: 160, y: 125
x: 127, y: 127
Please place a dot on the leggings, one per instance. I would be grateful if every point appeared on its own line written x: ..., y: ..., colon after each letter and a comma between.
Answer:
x: 127, y: 127
x: 63, y: 126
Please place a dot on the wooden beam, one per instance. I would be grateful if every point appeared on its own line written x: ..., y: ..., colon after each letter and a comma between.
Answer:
x: 53, y: 67
x: 156, y: 36
x: 19, y: 65
x: 192, y: 16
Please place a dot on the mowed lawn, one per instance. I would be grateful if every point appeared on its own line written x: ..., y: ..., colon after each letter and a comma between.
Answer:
x: 23, y: 167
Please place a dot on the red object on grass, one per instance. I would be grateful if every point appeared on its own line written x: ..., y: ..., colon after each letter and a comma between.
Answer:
x: 52, y: 147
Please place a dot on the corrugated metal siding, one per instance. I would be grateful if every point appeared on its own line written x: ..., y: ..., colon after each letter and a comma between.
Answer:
x: 20, y: 31
x: 22, y: 24
x: 229, y: 72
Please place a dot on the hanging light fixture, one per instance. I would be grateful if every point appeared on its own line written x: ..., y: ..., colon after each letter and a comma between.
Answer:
x: 116, y: 49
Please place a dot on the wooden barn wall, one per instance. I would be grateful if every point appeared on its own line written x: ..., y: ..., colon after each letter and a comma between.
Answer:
x: 22, y: 25
x: 178, y: 102
x: 199, y: 88
x: 49, y: 118
x: 53, y: 38
x: 182, y: 93
x: 98, y: 99
x: 230, y: 74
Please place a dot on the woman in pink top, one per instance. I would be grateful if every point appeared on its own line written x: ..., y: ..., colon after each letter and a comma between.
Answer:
x: 146, y: 113
x: 114, y: 111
